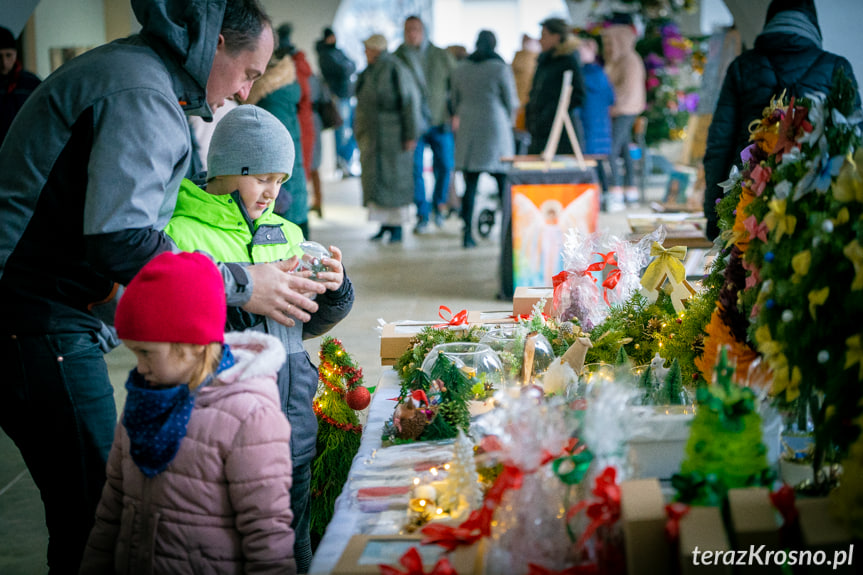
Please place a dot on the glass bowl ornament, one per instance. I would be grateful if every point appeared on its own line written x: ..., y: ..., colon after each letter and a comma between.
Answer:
x: 514, y: 345
x: 477, y: 361
x: 313, y: 258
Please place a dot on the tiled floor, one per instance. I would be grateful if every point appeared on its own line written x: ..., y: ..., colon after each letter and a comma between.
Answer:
x: 403, y: 281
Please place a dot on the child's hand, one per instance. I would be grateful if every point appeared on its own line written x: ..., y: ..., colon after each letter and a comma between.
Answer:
x: 333, y: 278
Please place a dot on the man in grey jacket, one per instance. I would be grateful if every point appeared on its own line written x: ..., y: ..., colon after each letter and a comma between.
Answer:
x: 92, y: 178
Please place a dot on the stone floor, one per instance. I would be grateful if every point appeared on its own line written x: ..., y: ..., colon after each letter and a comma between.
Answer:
x: 400, y: 281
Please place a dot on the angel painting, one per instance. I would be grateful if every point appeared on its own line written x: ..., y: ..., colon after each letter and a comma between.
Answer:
x: 541, y: 217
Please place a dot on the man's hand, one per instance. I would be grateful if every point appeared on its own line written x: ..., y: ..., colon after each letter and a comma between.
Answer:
x: 281, y: 295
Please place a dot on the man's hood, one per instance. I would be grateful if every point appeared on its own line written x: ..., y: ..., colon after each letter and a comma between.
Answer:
x: 185, y: 33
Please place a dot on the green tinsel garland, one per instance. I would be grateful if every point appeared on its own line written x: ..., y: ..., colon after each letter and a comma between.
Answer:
x: 339, y: 433
x: 410, y: 363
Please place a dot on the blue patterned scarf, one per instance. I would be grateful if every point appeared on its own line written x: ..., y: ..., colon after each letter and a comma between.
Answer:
x: 156, y: 419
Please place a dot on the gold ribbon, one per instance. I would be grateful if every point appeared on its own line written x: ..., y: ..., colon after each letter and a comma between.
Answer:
x: 817, y: 297
x: 854, y: 354
x: 778, y: 221
x: 848, y: 186
x: 667, y: 261
x: 800, y: 264
x: 854, y: 252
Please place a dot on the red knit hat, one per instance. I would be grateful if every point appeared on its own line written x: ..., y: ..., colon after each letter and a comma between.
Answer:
x: 176, y: 298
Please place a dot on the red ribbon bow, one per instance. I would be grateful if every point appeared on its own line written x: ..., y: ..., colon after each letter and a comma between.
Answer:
x: 458, y: 319
x: 414, y: 564
x: 675, y: 512
x: 586, y: 569
x: 605, y: 510
x: 607, y: 260
x: 570, y: 448
x: 557, y: 282
x: 609, y: 283
x: 783, y: 500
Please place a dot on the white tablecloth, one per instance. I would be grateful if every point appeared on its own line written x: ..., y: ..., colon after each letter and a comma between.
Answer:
x: 373, y: 467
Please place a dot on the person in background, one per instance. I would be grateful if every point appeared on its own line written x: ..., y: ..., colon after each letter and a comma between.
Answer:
x: 199, y: 474
x: 338, y: 69
x: 431, y: 68
x: 387, y: 125
x: 625, y: 69
x: 318, y: 94
x: 523, y: 69
x: 787, y: 57
x: 485, y: 101
x: 598, y: 99
x: 16, y: 84
x: 100, y: 150
x: 559, y: 55
x: 251, y: 154
x: 279, y: 92
x: 202, y: 133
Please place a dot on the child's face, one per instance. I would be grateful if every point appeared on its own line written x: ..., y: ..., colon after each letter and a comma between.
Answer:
x: 257, y: 191
x: 163, y: 364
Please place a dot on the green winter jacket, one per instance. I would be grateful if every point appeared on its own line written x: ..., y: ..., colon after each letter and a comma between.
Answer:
x: 220, y: 226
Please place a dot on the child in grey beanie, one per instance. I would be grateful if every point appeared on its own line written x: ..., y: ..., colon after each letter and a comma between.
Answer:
x: 231, y: 218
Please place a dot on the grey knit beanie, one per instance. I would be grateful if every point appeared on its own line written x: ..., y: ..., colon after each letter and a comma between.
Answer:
x: 247, y: 141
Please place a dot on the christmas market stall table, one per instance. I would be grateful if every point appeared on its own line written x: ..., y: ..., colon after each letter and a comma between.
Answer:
x: 540, y: 203
x: 374, y: 499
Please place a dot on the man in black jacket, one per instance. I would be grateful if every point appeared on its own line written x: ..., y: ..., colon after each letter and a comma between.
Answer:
x: 16, y: 84
x: 337, y: 70
x: 787, y: 56
x: 559, y: 54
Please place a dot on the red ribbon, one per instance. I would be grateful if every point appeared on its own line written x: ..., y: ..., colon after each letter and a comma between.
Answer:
x: 609, y: 283
x: 571, y: 448
x: 607, y: 260
x: 458, y: 319
x: 414, y: 565
x: 675, y: 512
x: 783, y: 500
x: 557, y: 282
x: 586, y: 569
x: 605, y: 510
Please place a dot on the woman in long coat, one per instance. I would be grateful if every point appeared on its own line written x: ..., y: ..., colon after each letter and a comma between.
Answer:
x: 485, y: 101
x: 386, y: 127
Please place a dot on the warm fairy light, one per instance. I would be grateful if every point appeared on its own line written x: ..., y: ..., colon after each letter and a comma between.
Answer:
x: 433, y: 470
x: 446, y: 466
x: 339, y: 352
x: 663, y: 324
x: 422, y: 502
x: 439, y: 511
x: 416, y: 480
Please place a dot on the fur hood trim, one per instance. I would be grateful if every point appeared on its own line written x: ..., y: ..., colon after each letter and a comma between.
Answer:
x: 279, y: 74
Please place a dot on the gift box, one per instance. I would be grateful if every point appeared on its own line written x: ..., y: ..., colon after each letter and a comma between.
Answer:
x: 397, y: 337
x: 491, y: 318
x: 819, y: 531
x: 702, y: 529
x: 526, y: 297
x: 754, y: 522
x: 658, y: 439
x: 642, y: 514
x: 364, y: 553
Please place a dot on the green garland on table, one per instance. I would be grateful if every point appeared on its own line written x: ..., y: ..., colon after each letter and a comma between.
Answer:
x: 409, y: 365
x: 339, y: 432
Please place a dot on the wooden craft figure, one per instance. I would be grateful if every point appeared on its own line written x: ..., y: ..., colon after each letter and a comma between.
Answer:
x: 576, y: 353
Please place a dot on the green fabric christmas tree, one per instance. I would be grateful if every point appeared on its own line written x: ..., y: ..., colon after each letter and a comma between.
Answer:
x: 725, y: 448
x: 339, y: 431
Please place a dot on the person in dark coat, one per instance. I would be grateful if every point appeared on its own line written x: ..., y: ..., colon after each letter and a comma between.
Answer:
x: 387, y: 125
x: 787, y: 57
x: 16, y: 84
x: 337, y: 69
x: 559, y: 54
x: 598, y: 99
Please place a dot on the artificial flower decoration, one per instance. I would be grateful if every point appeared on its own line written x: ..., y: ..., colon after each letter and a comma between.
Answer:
x: 854, y: 252
x: 854, y: 354
x: 755, y: 228
x: 849, y: 184
x: 800, y: 264
x: 817, y: 298
x: 760, y: 178
x: 778, y: 221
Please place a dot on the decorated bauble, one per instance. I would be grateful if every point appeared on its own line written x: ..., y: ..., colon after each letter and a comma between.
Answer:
x: 313, y: 256
x: 358, y: 398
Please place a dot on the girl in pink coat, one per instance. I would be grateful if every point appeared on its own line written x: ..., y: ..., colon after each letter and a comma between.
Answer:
x: 199, y: 474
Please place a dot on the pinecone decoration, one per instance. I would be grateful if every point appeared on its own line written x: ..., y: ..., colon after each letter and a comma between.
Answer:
x: 566, y: 328
x: 653, y: 326
x: 412, y: 421
x: 698, y: 343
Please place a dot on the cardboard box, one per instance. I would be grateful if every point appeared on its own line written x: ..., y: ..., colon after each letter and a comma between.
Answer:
x: 702, y: 528
x: 364, y: 553
x: 491, y: 318
x: 642, y: 514
x: 819, y: 531
x: 754, y: 522
x: 526, y: 297
x: 397, y: 337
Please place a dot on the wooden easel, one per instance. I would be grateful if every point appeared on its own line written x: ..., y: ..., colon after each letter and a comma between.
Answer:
x: 561, y: 121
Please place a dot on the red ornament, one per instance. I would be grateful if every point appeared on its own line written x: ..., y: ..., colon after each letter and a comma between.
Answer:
x: 358, y: 398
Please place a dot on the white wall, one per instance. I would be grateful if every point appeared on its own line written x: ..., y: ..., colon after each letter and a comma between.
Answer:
x: 61, y: 24
x: 840, y: 26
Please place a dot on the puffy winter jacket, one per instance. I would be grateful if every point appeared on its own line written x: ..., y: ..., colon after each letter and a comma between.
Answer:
x: 778, y: 62
x: 220, y: 226
x: 223, y: 504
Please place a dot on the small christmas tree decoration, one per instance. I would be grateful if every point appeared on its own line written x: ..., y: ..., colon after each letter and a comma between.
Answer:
x: 725, y: 448
x: 672, y: 392
x: 462, y: 492
x: 339, y: 430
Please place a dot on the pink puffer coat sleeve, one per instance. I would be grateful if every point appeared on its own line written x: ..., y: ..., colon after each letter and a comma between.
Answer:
x: 99, y: 553
x: 258, y: 470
